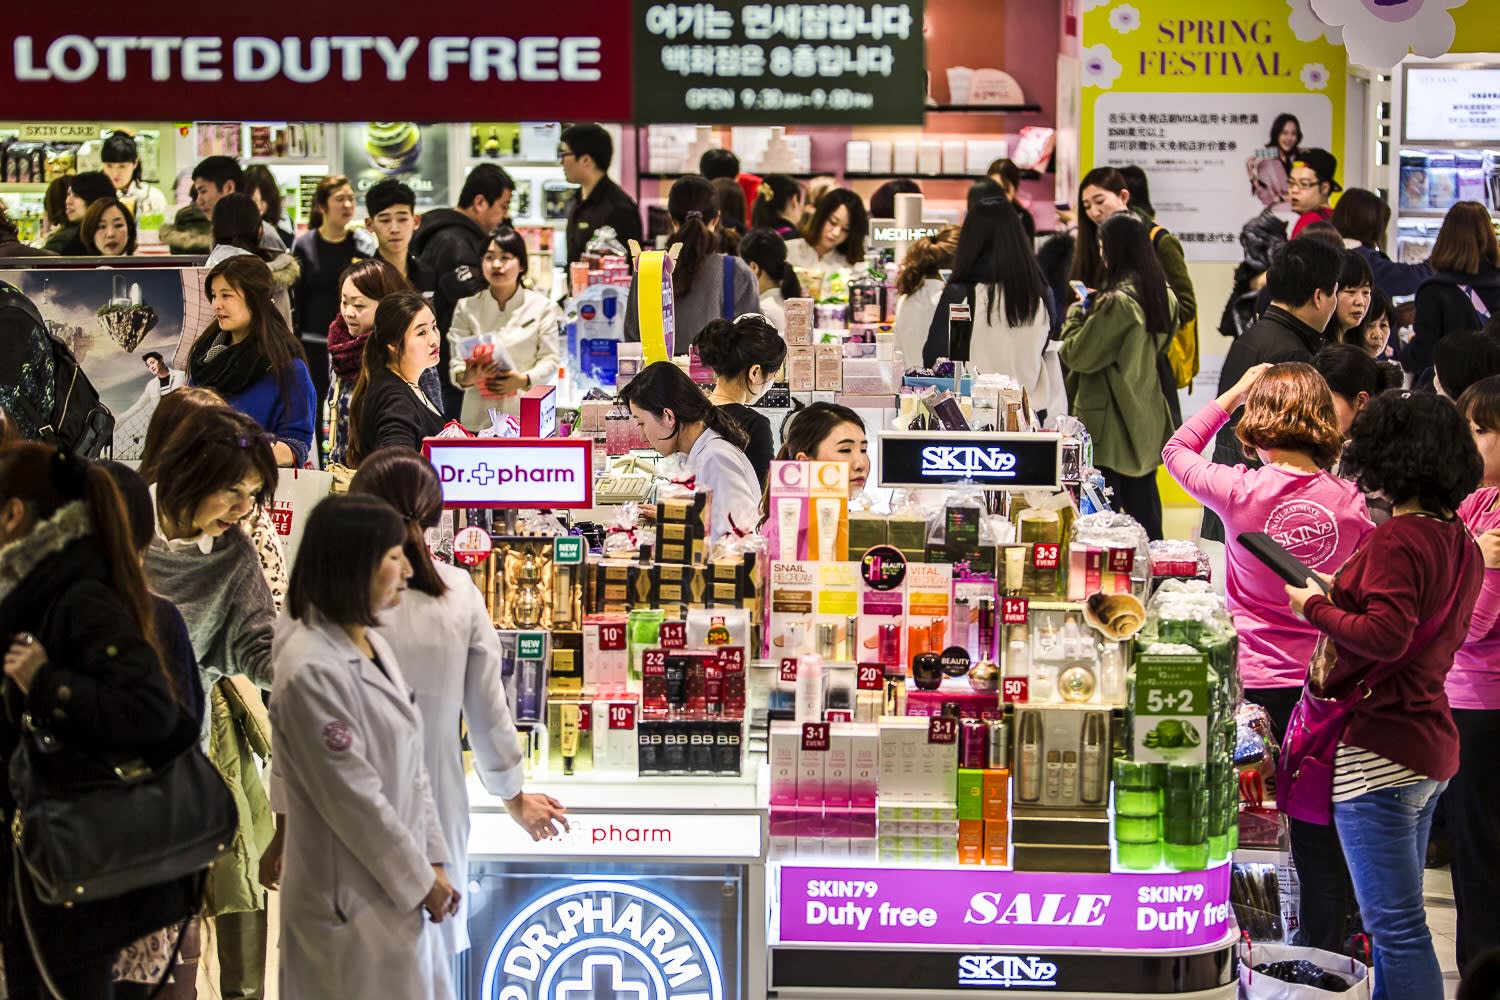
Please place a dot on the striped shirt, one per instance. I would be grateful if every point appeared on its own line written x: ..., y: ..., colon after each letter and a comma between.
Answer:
x: 1357, y: 772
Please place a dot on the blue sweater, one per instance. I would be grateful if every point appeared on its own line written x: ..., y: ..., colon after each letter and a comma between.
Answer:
x: 288, y: 420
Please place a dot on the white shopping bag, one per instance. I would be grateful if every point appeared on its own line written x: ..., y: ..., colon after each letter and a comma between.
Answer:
x: 1257, y: 986
x: 298, y: 491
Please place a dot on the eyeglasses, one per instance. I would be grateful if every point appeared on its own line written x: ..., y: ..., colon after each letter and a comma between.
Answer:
x: 1305, y: 185
x: 563, y: 154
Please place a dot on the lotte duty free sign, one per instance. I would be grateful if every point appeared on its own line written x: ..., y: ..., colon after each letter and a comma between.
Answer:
x: 513, y: 472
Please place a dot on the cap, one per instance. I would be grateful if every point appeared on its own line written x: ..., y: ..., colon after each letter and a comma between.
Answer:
x: 1321, y: 162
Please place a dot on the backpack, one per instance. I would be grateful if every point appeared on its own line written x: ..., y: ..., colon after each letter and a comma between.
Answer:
x: 42, y: 387
x: 1182, y: 349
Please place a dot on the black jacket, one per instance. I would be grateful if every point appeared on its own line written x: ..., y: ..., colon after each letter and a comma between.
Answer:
x: 450, y: 246
x: 606, y: 205
x: 393, y: 415
x: 1444, y: 307
x: 102, y: 690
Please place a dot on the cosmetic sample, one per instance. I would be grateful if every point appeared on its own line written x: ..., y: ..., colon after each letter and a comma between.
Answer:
x: 973, y: 744
x: 529, y: 686
x: 828, y: 641
x: 999, y: 739
x: 713, y: 689
x: 890, y: 644
x: 986, y: 616
x: 527, y: 608
x: 1111, y: 674
x: 571, y: 716
x: 1091, y: 768
x: 1018, y: 653
x: 1015, y: 567
x: 809, y: 697
x: 1069, y: 790
x: 827, y: 513
x: 677, y: 681
x: 1053, y: 786
x: 927, y: 671
x: 851, y: 639
x: 1029, y: 758
x: 788, y: 526
x: 1071, y: 638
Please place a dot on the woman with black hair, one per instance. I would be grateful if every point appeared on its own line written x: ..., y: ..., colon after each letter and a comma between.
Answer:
x: 1270, y: 167
x: 82, y: 191
x: 1007, y: 174
x: 260, y: 185
x: 249, y: 356
x: 367, y: 870
x: 676, y: 418
x: 1352, y: 376
x: 1111, y: 346
x: 325, y: 251
x: 732, y: 213
x: 883, y: 198
x: 108, y: 229
x: 828, y: 432
x: 745, y: 356
x: 1395, y: 616
x: 388, y: 407
x: 706, y: 284
x: 122, y: 165
x: 237, y: 228
x: 779, y: 206
x: 996, y: 273
x: 764, y: 252
x: 1355, y: 286
x: 1363, y: 217
x: 834, y: 239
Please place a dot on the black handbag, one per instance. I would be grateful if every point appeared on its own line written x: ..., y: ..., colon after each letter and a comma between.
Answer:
x: 114, y: 825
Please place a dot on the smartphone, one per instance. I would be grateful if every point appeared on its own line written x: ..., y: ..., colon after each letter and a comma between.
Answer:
x: 1082, y: 291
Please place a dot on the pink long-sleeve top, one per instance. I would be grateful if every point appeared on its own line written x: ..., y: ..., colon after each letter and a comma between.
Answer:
x: 1474, y: 681
x: 1318, y: 517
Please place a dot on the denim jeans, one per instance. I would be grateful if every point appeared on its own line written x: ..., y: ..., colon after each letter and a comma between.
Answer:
x: 1384, y: 834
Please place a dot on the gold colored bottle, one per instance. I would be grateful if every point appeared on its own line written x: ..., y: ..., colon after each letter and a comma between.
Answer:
x: 528, y: 606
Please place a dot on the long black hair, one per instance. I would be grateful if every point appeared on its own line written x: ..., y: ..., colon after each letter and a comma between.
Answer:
x: 1086, y: 266
x: 407, y: 481
x: 693, y: 205
x: 1129, y: 257
x: 764, y: 247
x: 273, y: 338
x: 993, y: 251
x: 393, y: 318
x: 732, y: 348
x: 347, y: 537
x: 1277, y: 125
x: 853, y: 247
x: 773, y: 200
x: 662, y: 386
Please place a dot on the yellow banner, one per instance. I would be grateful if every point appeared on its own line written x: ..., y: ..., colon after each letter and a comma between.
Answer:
x: 655, y: 306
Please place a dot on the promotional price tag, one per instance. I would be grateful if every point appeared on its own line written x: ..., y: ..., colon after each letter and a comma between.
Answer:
x: 1014, y: 610
x: 942, y: 729
x: 815, y: 736
x: 732, y: 660
x: 654, y: 663
x: 471, y: 546
x: 622, y: 716
x: 1046, y: 555
x: 838, y: 715
x: 788, y: 670
x: 1121, y: 560
x: 1171, y: 709
x: 871, y: 677
x: 673, y: 635
x: 612, y: 635
x: 1013, y: 688
x: 585, y: 718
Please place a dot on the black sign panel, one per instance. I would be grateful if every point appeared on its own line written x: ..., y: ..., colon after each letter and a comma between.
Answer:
x: 753, y: 62
x: 986, y: 460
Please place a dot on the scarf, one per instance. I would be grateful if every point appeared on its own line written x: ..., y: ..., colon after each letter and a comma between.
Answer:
x: 232, y: 369
x: 345, y: 350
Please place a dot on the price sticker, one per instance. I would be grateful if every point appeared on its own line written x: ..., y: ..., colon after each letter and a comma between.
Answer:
x: 942, y: 729
x: 611, y: 635
x: 1171, y: 709
x: 732, y: 660
x: 622, y: 716
x: 1046, y: 555
x: 788, y: 670
x: 585, y: 718
x: 471, y: 546
x: 838, y: 715
x: 1121, y: 560
x: 673, y: 635
x: 1014, y: 689
x: 871, y: 677
x: 1014, y: 610
x: 815, y: 736
x: 654, y: 663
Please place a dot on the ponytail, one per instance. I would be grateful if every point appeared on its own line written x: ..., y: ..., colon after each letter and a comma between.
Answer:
x: 407, y: 481
x: 113, y: 528
x: 693, y: 205
x: 716, y: 421
x: 662, y: 386
x: 765, y: 248
x: 926, y: 258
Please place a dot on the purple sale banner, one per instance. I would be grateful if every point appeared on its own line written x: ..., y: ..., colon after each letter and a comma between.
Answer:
x: 979, y: 906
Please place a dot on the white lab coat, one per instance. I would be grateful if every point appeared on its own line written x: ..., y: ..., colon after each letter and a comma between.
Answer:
x: 723, y: 470
x: 450, y: 655
x: 362, y: 832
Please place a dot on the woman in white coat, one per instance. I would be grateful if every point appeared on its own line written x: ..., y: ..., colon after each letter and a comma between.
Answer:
x: 443, y: 636
x: 365, y: 852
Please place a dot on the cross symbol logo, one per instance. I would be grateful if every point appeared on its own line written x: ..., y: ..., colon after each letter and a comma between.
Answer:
x: 602, y: 978
x: 481, y: 474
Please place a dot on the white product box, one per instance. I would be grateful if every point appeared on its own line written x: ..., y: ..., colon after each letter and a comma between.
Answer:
x: 881, y: 156
x: 903, y: 158
x: 785, y: 745
x: 811, y: 768
x: 838, y: 768
x: 615, y: 749
x: 857, y: 156
x: 954, y: 153
x: 864, y: 765
x: 930, y: 157
x: 982, y: 152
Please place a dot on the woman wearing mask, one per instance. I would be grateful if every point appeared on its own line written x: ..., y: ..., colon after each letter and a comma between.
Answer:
x: 366, y: 864
x: 324, y: 252
x: 1111, y: 346
x: 919, y: 287
x: 779, y: 206
x: 363, y: 286
x: 78, y: 627
x: 249, y: 356
x: 108, y: 229
x: 1398, y: 611
x: 676, y: 418
x: 745, y: 356
x: 835, y: 237
x: 388, y: 406
x: 524, y: 320
x: 237, y: 228
x: 764, y: 252
x: 706, y: 284
x: 828, y: 432
x: 122, y: 165
x: 995, y: 272
x: 261, y: 185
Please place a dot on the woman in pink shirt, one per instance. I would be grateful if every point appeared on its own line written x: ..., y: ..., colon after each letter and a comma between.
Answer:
x: 1290, y: 425
x: 1472, y: 801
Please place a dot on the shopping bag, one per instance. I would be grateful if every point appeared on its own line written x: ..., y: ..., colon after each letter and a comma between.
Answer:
x: 1259, y: 986
x: 298, y: 491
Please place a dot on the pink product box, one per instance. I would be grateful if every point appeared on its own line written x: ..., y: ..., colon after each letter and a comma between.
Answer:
x: 971, y: 704
x: 863, y: 824
x: 795, y: 821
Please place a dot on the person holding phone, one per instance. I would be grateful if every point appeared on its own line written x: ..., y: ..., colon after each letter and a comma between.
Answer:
x: 523, y: 324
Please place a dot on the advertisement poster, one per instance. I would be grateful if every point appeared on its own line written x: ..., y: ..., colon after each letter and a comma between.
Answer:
x: 111, y: 319
x: 1194, y: 102
x: 413, y: 153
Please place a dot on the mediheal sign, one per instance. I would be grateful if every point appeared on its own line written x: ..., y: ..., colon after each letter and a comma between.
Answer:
x: 513, y: 472
x: 167, y: 62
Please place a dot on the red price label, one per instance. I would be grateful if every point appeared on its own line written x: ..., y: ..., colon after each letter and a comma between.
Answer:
x: 1013, y: 688
x: 839, y: 715
x: 1014, y: 610
x: 611, y: 636
x: 674, y: 635
x: 1121, y: 560
x: 788, y: 670
x: 941, y: 729
x: 654, y: 663
x: 1046, y: 555
x: 871, y: 677
x: 586, y: 718
x: 622, y: 716
x: 814, y: 736
x: 732, y: 660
